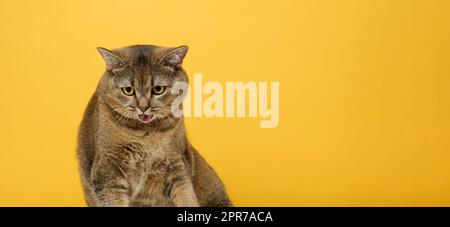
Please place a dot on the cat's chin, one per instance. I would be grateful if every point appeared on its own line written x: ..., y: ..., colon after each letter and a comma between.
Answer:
x: 145, y: 119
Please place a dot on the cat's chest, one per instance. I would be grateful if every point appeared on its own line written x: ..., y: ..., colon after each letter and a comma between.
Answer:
x: 140, y: 154
x: 147, y: 157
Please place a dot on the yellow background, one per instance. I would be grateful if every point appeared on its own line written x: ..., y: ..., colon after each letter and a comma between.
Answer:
x: 364, y: 95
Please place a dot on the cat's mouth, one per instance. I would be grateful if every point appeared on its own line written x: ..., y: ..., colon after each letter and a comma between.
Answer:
x: 144, y: 118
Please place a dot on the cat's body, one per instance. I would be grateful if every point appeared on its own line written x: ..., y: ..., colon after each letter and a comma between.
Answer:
x: 132, y: 150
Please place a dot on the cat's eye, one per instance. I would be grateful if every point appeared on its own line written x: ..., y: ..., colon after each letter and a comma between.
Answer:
x: 157, y: 90
x: 128, y: 91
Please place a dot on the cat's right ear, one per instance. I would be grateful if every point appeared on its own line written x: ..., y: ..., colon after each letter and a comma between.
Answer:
x: 112, y: 61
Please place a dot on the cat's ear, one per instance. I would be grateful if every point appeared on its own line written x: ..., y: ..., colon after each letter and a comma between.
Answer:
x: 112, y: 61
x: 174, y: 58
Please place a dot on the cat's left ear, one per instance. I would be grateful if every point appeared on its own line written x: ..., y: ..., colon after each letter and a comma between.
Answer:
x: 112, y: 61
x: 174, y: 58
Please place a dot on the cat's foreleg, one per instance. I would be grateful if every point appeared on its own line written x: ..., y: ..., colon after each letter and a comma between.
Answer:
x: 183, y: 194
x: 109, y: 183
x: 182, y: 190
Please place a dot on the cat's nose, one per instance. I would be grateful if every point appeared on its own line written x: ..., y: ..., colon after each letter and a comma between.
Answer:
x: 143, y: 104
x: 143, y: 108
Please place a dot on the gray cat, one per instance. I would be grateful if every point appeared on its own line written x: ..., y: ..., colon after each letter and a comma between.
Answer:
x: 132, y: 151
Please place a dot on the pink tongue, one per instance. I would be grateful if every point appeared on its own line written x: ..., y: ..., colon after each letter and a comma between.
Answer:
x: 144, y: 117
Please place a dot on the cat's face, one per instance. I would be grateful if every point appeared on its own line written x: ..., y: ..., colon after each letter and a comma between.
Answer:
x: 138, y: 82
